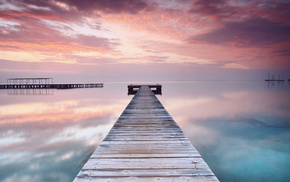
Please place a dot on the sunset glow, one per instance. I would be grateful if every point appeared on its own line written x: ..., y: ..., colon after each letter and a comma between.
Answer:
x: 182, y: 39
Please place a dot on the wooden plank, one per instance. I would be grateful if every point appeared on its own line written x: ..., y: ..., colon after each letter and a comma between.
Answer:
x: 198, y: 178
x: 140, y: 155
x: 145, y: 172
x: 145, y: 144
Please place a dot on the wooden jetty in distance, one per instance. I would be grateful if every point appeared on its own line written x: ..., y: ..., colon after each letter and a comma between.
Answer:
x: 145, y: 144
x: 273, y: 78
x: 52, y: 86
x: 44, y: 83
x: 156, y: 89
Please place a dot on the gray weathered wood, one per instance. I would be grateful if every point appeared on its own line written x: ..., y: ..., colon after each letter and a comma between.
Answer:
x: 145, y: 144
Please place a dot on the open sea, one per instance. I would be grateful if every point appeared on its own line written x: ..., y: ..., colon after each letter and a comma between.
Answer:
x: 241, y: 129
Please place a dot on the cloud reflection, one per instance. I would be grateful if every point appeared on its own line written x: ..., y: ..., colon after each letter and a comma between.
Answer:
x: 228, y: 102
x: 240, y: 129
x: 50, y: 141
x: 236, y: 126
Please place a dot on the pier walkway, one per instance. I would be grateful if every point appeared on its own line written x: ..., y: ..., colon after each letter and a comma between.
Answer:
x: 145, y: 144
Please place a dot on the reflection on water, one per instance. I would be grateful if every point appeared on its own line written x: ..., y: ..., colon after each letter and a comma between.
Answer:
x: 49, y: 138
x: 30, y: 91
x: 242, y: 129
x: 279, y: 84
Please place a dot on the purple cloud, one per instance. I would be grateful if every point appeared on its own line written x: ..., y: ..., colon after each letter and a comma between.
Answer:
x: 252, y: 32
x: 277, y: 11
x: 219, y: 8
x: 93, y: 41
x: 37, y: 9
x: 279, y: 53
x: 110, y: 6
x: 29, y: 30
x: 74, y: 8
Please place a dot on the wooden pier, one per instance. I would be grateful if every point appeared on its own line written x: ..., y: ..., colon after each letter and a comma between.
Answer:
x: 133, y: 89
x: 145, y: 144
x: 44, y: 83
x: 51, y: 86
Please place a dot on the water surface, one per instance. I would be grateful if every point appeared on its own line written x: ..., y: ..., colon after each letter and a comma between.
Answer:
x: 241, y: 129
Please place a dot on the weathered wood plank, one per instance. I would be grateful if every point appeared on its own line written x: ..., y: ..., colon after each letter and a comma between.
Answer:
x: 146, y: 172
x: 146, y: 179
x: 116, y: 156
x: 145, y: 144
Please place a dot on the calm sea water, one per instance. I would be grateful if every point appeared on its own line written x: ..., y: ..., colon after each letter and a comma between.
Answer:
x: 241, y: 129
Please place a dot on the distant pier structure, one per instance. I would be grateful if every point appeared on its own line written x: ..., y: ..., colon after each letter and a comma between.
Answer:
x: 21, y: 81
x: 273, y: 78
x: 156, y: 89
x: 44, y: 83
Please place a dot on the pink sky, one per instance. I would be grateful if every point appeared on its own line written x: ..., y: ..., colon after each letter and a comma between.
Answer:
x: 138, y: 40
